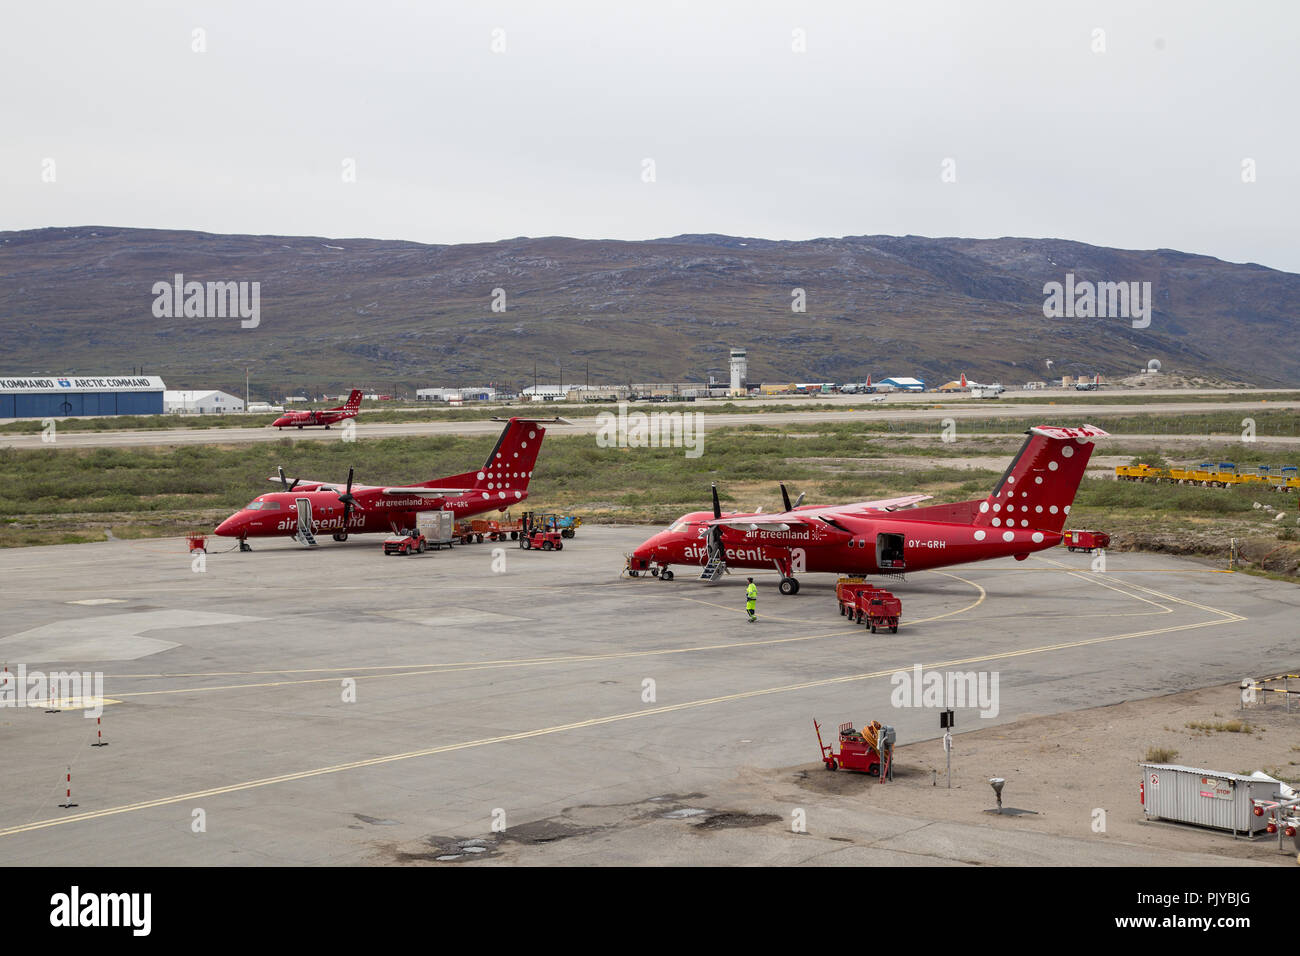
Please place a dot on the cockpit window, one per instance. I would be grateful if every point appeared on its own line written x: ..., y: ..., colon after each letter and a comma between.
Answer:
x: 679, y: 526
x: 262, y: 506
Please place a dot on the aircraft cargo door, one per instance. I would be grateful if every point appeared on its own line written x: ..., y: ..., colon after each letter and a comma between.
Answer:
x: 889, y: 552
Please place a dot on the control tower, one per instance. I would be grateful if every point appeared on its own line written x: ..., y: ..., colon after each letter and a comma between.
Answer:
x: 739, y: 372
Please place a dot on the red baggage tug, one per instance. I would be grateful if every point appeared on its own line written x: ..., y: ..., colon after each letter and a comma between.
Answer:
x: 861, y: 750
x: 867, y: 604
x: 1086, y: 541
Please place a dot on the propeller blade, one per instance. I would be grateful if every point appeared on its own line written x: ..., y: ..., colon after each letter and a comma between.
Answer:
x: 785, y: 497
x: 284, y: 482
x: 798, y: 501
x: 348, y: 501
x: 717, y: 507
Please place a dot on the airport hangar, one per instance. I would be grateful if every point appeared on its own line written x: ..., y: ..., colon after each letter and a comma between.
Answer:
x: 64, y: 396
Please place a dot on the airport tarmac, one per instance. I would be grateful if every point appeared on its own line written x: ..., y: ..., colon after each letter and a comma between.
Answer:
x: 546, y: 694
x: 588, y: 423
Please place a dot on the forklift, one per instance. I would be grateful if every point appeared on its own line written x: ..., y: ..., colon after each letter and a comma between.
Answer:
x: 535, y: 535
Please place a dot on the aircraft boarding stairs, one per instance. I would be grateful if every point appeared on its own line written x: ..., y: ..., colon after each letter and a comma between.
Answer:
x: 713, y: 570
x: 304, y: 535
x: 717, y: 564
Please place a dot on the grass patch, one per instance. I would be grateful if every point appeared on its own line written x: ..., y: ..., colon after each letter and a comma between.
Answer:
x: 1221, y: 726
x: 55, y: 490
x: 1161, y: 755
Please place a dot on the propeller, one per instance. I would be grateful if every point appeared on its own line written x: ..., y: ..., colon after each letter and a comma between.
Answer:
x: 785, y: 498
x: 348, y: 501
x: 715, y: 533
x: 284, y: 482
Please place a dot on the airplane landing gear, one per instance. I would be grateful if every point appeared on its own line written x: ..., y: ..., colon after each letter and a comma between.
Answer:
x: 340, y: 536
x: 666, y: 574
x: 244, y: 545
x: 789, y: 586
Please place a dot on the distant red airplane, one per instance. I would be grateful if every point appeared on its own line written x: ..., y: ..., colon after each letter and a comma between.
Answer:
x: 1024, y: 513
x: 325, y: 416
x: 306, y: 508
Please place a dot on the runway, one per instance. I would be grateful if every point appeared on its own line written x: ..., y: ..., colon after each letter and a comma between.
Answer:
x: 897, y: 412
x: 525, y: 683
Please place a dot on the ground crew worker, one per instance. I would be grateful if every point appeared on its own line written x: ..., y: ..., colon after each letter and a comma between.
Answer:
x: 751, y: 601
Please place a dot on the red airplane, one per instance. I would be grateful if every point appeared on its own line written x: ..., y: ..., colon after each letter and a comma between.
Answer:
x: 306, y: 508
x: 325, y: 416
x: 1025, y: 512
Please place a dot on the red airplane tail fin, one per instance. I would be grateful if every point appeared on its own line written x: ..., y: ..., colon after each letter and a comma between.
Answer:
x: 352, y: 404
x: 506, y: 473
x: 1038, y: 487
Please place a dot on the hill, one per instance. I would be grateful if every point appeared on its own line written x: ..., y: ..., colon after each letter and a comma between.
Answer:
x: 391, y: 315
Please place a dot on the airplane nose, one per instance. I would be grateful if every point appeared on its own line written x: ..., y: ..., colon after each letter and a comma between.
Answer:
x: 227, y: 527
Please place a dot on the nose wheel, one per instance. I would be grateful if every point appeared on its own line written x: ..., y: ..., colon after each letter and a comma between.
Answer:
x: 244, y: 545
x: 788, y: 586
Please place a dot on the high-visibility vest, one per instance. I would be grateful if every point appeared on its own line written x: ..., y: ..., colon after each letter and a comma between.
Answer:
x: 751, y: 593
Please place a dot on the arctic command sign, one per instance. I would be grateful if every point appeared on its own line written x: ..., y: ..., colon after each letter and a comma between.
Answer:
x: 63, y: 396
x: 139, y: 384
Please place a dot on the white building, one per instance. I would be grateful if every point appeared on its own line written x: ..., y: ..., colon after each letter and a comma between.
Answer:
x: 739, y: 371
x: 200, y: 401
x: 473, y: 393
x: 546, y: 393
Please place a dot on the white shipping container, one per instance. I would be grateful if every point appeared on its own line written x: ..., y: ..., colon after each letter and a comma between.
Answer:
x: 1206, y: 798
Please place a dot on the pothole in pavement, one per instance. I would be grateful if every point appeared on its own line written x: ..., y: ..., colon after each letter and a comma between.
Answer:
x: 728, y: 819
x: 581, y: 821
x: 450, y: 850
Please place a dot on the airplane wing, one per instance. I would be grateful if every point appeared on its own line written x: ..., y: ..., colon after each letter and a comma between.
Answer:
x: 750, y: 523
x: 427, y: 492
x: 306, y: 485
x: 815, y: 516
x: 883, y: 504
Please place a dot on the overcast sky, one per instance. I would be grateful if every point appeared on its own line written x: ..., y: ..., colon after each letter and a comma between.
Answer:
x: 1139, y: 146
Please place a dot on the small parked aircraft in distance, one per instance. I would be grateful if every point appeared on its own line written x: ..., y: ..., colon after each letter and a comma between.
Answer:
x: 304, y: 509
x: 325, y: 416
x: 988, y: 391
x: 1025, y: 512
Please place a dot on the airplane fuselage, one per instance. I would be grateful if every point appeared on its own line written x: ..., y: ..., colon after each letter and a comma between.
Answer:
x: 311, y: 419
x: 276, y: 514
x: 867, y: 546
